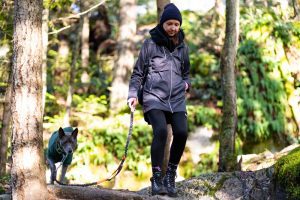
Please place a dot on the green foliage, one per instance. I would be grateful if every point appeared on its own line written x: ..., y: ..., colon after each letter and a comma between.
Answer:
x: 263, y: 78
x: 262, y: 95
x: 148, y: 18
x: 58, y: 72
x: 92, y: 104
x: 203, y: 116
x: 207, y: 163
x: 6, y: 35
x: 287, y: 173
x: 4, y: 183
x: 107, y: 144
x: 6, y: 21
x: 205, y: 70
x: 52, y: 107
x: 59, y: 5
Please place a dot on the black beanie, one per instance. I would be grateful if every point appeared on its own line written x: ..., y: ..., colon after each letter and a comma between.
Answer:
x: 170, y: 12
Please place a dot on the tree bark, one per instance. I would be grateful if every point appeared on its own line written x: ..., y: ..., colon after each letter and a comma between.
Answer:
x: 227, y: 157
x: 45, y: 31
x: 125, y: 62
x: 28, y: 166
x: 5, y: 127
x: 160, y: 4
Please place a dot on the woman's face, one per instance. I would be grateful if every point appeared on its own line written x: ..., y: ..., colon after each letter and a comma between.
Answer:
x: 171, y: 27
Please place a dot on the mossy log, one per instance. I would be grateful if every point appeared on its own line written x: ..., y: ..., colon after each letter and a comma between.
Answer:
x: 287, y: 175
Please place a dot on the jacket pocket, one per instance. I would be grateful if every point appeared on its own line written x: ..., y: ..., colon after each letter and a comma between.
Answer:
x: 178, y: 91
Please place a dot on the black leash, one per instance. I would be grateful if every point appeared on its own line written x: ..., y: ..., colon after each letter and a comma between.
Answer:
x: 117, y: 171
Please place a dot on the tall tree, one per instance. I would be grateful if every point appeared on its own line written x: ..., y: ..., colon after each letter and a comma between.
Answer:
x: 125, y: 61
x: 5, y: 128
x: 75, y: 52
x: 45, y: 30
x: 6, y: 12
x: 28, y: 168
x: 85, y: 47
x: 227, y: 159
x: 160, y: 4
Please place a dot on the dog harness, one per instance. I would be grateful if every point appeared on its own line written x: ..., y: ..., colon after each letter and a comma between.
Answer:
x: 55, y: 152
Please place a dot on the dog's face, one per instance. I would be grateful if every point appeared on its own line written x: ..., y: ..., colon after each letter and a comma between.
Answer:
x: 68, y: 140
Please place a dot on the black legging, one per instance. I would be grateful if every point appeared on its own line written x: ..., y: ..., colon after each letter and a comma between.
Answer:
x: 158, y: 120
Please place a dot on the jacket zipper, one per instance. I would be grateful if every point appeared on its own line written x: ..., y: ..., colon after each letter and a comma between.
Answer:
x: 171, y: 84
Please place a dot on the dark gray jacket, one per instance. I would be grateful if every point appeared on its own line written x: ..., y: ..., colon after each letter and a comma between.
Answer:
x: 168, y: 72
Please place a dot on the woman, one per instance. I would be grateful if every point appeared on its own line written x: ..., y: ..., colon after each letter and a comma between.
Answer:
x: 165, y: 58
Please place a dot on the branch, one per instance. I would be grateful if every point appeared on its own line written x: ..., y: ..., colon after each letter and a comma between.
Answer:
x: 74, y: 16
x: 82, y: 13
x: 59, y: 30
x: 73, y: 192
x: 295, y: 9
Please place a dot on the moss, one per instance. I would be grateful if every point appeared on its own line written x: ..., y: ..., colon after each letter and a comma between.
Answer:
x: 287, y: 173
x: 211, y: 189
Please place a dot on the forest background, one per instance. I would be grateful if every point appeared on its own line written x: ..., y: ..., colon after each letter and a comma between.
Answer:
x: 88, y: 68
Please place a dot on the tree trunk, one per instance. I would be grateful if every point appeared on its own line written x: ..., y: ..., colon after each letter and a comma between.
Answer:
x: 87, y: 193
x: 160, y: 4
x: 227, y: 159
x: 45, y: 45
x: 167, y: 150
x: 5, y: 127
x: 61, y: 65
x: 28, y: 164
x: 125, y: 62
x: 85, y: 47
x: 72, y: 74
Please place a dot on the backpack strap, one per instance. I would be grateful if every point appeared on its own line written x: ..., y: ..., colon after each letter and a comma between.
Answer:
x: 183, y: 55
x: 146, y: 60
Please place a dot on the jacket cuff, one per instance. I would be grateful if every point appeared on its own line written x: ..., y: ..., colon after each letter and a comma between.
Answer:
x: 132, y: 94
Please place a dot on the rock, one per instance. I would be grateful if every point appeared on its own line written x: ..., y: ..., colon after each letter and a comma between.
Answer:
x: 253, y: 162
x: 226, y: 186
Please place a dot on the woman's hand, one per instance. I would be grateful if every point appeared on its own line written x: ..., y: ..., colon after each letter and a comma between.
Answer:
x: 132, y: 102
x: 186, y: 86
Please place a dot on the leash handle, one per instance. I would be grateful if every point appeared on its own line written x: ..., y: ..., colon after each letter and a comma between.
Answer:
x: 117, y: 171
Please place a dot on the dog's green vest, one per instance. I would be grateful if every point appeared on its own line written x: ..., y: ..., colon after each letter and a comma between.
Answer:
x: 53, y: 153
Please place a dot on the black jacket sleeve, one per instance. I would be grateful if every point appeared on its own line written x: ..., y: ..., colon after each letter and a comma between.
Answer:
x: 138, y: 71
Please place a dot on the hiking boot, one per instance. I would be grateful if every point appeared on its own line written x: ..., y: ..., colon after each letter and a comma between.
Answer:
x: 169, y: 181
x: 157, y: 184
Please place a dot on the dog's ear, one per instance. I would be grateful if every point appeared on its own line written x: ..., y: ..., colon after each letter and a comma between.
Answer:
x: 61, y: 132
x: 75, y: 132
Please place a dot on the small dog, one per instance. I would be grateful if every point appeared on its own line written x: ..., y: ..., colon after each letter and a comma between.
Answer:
x: 62, y: 144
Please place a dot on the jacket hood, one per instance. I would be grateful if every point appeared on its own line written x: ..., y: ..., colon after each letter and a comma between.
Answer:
x: 160, y: 37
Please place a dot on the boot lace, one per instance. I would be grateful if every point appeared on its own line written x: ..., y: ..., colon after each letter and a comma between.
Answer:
x: 171, y: 176
x: 157, y: 179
